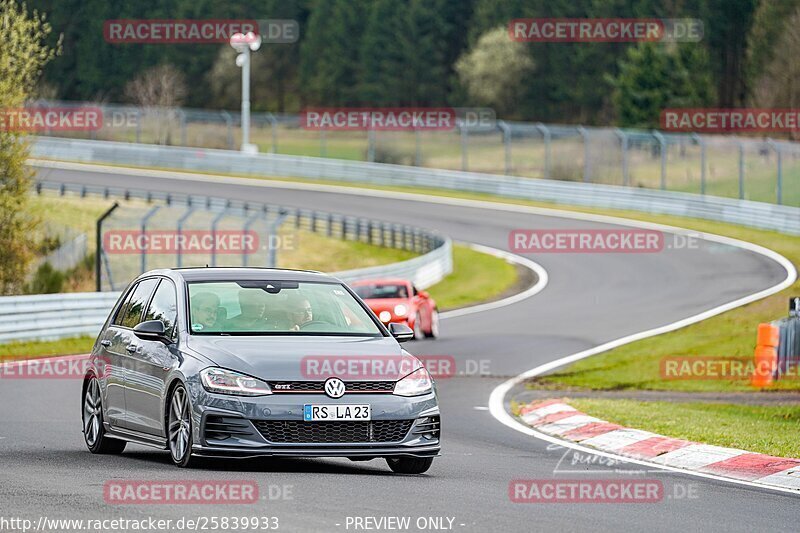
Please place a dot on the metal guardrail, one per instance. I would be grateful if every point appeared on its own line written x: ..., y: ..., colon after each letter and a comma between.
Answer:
x: 784, y: 219
x: 54, y: 316
x: 57, y: 316
x: 334, y: 225
x: 788, y: 346
x: 759, y: 169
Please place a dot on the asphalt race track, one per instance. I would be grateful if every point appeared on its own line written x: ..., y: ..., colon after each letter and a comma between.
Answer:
x: 590, y: 299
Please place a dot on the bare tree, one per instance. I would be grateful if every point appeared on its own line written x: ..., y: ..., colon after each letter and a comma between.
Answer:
x: 159, y: 90
x: 494, y: 70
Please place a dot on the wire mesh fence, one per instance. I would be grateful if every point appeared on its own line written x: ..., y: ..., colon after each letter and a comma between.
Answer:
x: 764, y: 170
x: 162, y: 230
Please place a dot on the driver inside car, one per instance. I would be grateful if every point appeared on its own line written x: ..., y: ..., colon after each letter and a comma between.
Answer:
x: 300, y: 312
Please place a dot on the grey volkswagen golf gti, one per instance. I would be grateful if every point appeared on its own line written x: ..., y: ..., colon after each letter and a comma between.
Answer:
x: 244, y: 362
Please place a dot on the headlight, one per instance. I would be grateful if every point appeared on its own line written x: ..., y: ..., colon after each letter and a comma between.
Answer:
x: 229, y: 382
x: 400, y: 310
x: 385, y: 316
x: 416, y: 383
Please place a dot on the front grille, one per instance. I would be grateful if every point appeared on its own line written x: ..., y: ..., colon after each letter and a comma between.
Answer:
x: 290, y: 431
x: 318, y: 387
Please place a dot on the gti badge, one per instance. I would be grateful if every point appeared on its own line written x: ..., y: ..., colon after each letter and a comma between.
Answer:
x: 334, y: 387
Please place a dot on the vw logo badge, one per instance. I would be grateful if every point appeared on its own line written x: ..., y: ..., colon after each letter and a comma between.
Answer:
x: 334, y: 388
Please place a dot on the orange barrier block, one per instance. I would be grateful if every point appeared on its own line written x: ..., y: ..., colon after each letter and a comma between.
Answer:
x: 766, y: 355
x: 768, y: 335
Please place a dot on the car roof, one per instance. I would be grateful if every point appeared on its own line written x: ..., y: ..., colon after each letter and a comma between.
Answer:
x: 388, y: 281
x: 241, y: 273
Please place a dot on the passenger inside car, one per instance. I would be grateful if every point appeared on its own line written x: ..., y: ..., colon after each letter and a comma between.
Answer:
x: 253, y: 305
x: 205, y: 309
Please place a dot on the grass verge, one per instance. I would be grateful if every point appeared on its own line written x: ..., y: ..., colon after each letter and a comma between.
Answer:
x: 31, y: 349
x: 731, y: 335
x: 763, y: 429
x: 477, y: 277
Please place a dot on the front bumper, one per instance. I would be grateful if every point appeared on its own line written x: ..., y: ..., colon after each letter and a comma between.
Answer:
x: 228, y: 426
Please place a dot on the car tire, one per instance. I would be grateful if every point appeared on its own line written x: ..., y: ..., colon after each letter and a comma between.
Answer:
x: 409, y: 465
x: 418, y: 334
x: 94, y: 433
x: 434, y: 329
x: 179, y: 428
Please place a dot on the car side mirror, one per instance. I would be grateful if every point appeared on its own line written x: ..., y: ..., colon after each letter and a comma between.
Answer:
x: 401, y: 332
x: 424, y: 294
x: 152, y: 330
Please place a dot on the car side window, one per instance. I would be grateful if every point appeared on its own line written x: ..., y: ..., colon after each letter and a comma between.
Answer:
x: 122, y: 308
x: 414, y: 289
x: 164, y: 307
x: 133, y: 311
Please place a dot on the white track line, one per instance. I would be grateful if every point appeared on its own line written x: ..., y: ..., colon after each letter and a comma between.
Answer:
x: 541, y: 283
x: 497, y: 397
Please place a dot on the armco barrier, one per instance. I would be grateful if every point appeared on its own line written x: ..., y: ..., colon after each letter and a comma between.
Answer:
x: 743, y: 212
x: 53, y: 316
x: 56, y: 316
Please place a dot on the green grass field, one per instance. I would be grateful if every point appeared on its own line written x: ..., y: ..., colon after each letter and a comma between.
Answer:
x: 729, y: 335
x: 763, y: 429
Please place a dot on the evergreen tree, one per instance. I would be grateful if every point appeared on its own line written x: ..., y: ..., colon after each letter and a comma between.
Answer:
x: 655, y: 76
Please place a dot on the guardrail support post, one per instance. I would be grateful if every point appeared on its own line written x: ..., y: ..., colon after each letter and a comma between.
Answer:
x: 272, y: 253
x: 181, y: 220
x: 464, y: 140
x: 547, y: 148
x: 274, y: 126
x: 99, y: 246
x: 182, y: 119
x: 506, y: 145
x: 702, y: 144
x: 247, y: 225
x: 623, y: 140
x: 587, y: 169
x: 229, y: 124
x: 779, y: 185
x: 662, y: 142
x: 214, y: 224
x: 417, y: 148
x: 371, y: 145
x: 145, y: 219
x: 741, y: 170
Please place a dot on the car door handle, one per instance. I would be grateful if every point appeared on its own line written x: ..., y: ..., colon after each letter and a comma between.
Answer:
x: 105, y: 343
x: 131, y: 348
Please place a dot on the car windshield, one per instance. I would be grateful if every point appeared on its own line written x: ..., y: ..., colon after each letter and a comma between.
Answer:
x: 382, y: 290
x: 277, y: 308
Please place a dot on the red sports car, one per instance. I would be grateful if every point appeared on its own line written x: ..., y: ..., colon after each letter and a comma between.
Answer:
x: 398, y: 300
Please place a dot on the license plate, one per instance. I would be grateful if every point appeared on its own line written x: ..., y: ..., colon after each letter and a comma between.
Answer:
x: 317, y: 413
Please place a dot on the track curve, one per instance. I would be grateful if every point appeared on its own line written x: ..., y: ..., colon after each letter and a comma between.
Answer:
x: 590, y: 299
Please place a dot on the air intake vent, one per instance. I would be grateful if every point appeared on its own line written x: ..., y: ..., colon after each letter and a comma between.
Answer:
x: 428, y: 427
x: 219, y: 428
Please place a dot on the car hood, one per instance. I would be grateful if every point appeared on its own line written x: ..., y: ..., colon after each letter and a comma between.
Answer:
x: 301, y: 358
x: 386, y: 304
